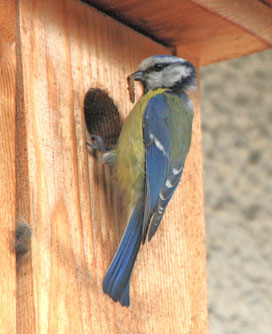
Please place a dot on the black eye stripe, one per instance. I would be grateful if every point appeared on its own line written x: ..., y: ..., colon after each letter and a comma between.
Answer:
x: 156, y: 68
x: 160, y: 66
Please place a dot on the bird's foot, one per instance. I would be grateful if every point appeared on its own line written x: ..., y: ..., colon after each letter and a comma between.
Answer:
x: 97, y: 143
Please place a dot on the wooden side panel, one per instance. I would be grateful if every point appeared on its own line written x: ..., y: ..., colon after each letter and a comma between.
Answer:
x: 66, y: 48
x: 192, y: 197
x: 7, y: 167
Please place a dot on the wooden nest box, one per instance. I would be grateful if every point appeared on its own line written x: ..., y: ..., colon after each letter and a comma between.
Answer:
x: 51, y: 54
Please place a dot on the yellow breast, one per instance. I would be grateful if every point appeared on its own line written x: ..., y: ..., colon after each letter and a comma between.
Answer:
x: 130, y: 166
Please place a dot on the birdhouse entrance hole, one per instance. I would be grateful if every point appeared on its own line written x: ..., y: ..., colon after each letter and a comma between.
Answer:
x: 102, y: 117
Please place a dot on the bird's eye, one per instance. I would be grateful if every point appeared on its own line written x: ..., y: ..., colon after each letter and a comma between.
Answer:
x: 158, y: 67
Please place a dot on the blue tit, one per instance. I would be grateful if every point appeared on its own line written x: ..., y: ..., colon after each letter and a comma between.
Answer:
x: 149, y: 159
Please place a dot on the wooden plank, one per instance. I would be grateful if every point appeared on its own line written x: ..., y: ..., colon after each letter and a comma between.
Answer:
x: 224, y: 45
x: 252, y: 15
x: 192, y: 198
x: 25, y: 315
x: 66, y: 48
x: 7, y: 168
x: 194, y: 27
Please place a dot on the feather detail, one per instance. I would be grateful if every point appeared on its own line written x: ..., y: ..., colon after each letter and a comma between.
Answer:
x: 117, y: 279
x: 167, y: 124
x: 130, y: 163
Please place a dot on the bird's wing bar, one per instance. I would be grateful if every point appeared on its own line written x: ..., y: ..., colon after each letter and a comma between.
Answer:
x: 157, y: 161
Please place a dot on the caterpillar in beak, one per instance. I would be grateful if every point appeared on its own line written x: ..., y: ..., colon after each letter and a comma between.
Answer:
x: 131, y: 88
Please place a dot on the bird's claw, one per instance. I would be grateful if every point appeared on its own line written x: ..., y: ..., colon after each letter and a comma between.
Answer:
x: 97, y: 144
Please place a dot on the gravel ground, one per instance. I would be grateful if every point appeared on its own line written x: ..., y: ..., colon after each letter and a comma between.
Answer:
x: 236, y: 101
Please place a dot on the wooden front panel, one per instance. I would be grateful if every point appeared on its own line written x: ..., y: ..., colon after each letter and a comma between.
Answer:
x: 7, y: 167
x: 67, y: 47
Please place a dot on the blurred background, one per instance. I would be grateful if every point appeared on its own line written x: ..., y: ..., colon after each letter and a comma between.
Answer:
x: 236, y: 99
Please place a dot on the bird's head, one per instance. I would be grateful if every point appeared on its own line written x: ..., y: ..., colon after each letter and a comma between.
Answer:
x: 166, y: 71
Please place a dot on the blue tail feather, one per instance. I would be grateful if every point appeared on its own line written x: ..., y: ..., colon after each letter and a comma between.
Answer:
x: 117, y: 279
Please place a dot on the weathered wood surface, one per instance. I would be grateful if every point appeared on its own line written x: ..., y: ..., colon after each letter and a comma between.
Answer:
x: 209, y: 30
x: 7, y: 167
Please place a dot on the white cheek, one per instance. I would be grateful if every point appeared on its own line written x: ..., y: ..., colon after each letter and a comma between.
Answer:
x: 170, y: 79
x: 155, y: 80
x: 175, y: 74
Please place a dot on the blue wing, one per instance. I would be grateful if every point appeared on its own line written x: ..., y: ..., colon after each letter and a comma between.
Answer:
x: 117, y: 279
x: 161, y: 176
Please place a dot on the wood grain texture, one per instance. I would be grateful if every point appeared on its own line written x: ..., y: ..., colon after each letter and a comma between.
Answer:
x: 66, y: 48
x: 251, y: 15
x: 24, y: 288
x: 210, y: 31
x: 7, y: 168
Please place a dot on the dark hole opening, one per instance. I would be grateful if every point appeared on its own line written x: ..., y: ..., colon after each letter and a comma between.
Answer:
x: 102, y: 117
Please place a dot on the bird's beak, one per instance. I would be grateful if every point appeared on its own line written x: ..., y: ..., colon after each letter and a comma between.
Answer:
x: 138, y: 76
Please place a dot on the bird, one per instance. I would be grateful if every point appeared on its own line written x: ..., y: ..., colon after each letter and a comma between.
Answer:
x: 149, y: 158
